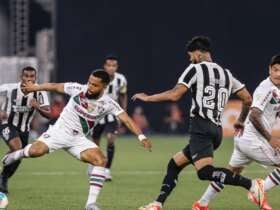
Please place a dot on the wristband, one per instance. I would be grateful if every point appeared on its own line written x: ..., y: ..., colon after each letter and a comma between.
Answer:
x: 141, y: 137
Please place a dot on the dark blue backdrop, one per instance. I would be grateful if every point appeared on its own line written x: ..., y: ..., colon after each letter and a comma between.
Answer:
x: 149, y: 37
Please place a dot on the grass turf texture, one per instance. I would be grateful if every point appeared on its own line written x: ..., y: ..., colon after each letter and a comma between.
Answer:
x: 59, y: 182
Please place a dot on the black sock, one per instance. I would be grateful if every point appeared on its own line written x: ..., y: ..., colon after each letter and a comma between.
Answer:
x: 110, y: 155
x: 224, y: 176
x: 169, y: 181
x: 9, y: 170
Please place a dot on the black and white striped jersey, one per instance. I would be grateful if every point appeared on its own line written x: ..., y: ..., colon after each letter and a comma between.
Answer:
x: 17, y: 105
x: 116, y: 87
x: 211, y: 86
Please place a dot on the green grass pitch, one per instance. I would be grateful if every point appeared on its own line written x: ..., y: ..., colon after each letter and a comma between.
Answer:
x: 59, y: 182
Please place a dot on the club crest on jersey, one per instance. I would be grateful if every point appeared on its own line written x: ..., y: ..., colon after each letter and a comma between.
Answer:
x: 275, y: 98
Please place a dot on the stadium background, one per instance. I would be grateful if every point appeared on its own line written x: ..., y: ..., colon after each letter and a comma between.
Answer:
x: 67, y: 39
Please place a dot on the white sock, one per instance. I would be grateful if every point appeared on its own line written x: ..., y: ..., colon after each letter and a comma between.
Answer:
x: 89, y: 169
x: 211, y: 192
x: 97, y: 178
x: 272, y: 180
x: 26, y: 150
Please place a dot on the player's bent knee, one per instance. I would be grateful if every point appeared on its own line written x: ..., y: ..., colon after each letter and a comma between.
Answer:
x: 37, y: 150
x: 101, y: 161
x: 205, y: 172
x: 15, y: 144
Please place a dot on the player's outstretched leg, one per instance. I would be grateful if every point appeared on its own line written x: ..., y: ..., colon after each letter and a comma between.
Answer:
x: 175, y: 166
x: 206, y: 171
x: 33, y: 150
x: 96, y: 158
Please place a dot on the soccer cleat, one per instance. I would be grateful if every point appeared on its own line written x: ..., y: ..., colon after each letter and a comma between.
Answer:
x: 265, y: 205
x: 257, y: 193
x: 197, y: 206
x: 92, y: 206
x: 152, y: 206
x: 108, y: 176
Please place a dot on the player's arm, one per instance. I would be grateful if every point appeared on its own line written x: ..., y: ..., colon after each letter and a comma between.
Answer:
x: 123, y: 101
x: 130, y: 124
x: 3, y: 98
x: 185, y: 81
x: 52, y: 87
x: 256, y: 119
x: 170, y: 95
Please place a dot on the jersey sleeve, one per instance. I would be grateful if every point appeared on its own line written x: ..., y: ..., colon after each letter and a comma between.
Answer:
x: 236, y: 85
x: 262, y: 97
x: 3, y: 90
x: 123, y: 87
x: 72, y: 88
x: 188, y: 78
x: 115, y: 108
x: 43, y: 99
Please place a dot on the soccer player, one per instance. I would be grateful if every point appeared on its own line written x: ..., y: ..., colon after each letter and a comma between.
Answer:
x: 211, y: 85
x: 256, y: 142
x: 117, y: 90
x: 88, y: 104
x: 17, y: 110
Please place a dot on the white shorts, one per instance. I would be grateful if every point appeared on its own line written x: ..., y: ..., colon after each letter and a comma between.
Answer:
x: 58, y: 138
x: 245, y: 151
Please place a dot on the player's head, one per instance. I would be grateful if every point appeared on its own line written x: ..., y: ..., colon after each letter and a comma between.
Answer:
x: 97, y: 82
x: 111, y: 64
x: 274, y: 69
x: 199, y: 48
x: 28, y: 75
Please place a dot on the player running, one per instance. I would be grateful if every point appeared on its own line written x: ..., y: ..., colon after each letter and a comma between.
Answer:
x: 211, y: 85
x: 17, y: 109
x: 256, y: 142
x: 88, y: 104
x: 117, y: 90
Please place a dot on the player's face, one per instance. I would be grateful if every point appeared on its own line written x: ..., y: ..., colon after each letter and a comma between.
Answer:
x: 111, y: 66
x: 274, y: 72
x: 28, y: 77
x: 95, y: 86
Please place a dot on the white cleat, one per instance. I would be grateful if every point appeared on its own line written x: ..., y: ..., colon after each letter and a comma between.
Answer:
x: 92, y: 206
x: 258, y: 193
x: 108, y: 175
x: 152, y: 206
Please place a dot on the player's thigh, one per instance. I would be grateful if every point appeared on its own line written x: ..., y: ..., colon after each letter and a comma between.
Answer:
x: 87, y: 151
x: 11, y: 136
x: 238, y: 158
x: 181, y: 158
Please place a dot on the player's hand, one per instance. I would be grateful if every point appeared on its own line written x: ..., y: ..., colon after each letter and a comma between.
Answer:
x: 275, y: 143
x: 146, y: 144
x: 34, y: 104
x: 3, y: 115
x: 29, y: 87
x: 238, y: 128
x: 140, y: 96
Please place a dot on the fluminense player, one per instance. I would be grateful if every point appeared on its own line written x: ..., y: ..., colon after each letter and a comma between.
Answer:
x: 256, y: 142
x: 88, y: 104
x: 211, y: 86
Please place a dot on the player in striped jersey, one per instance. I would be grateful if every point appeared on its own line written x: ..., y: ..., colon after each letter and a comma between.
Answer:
x: 17, y: 110
x: 256, y: 142
x: 87, y: 106
x: 211, y: 85
x: 117, y: 90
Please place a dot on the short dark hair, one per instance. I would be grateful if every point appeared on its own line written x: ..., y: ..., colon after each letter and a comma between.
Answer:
x: 103, y: 75
x: 111, y: 57
x: 201, y: 43
x: 275, y: 60
x: 28, y: 68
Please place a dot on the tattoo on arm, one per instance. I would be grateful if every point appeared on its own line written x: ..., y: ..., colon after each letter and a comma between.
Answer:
x: 244, y: 113
x: 256, y: 119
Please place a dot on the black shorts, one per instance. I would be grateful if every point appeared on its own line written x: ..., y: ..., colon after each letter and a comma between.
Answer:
x: 9, y: 132
x: 205, y: 138
x: 109, y: 127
